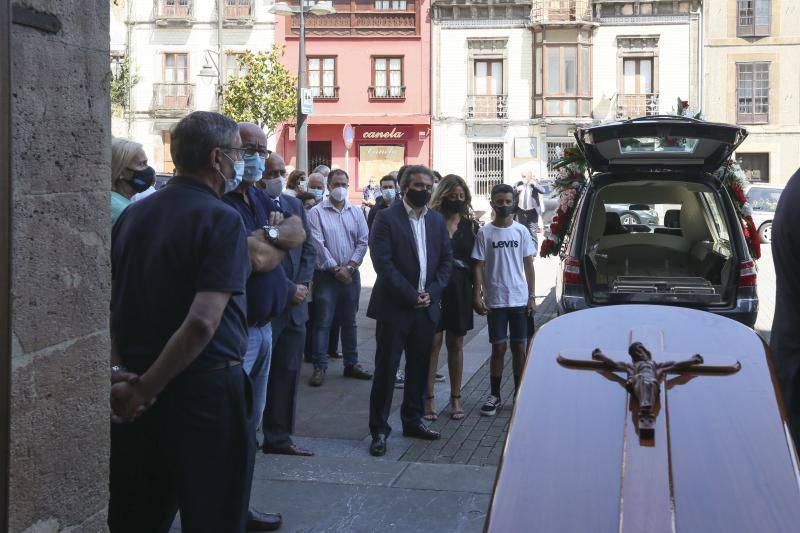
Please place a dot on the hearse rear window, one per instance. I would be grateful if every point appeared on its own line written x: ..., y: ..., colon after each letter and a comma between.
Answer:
x: 635, y: 145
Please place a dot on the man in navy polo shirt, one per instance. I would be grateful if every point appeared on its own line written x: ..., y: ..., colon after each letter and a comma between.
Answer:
x: 179, y: 332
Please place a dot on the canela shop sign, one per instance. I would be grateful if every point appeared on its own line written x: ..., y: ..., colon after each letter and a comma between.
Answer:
x: 384, y: 134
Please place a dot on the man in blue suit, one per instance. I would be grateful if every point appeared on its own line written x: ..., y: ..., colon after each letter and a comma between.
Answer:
x: 410, y: 249
x: 289, y: 327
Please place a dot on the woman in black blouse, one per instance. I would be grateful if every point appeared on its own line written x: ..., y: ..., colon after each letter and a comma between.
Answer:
x: 453, y: 200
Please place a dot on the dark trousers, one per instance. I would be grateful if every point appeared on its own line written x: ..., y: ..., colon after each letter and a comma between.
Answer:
x: 415, y: 336
x: 284, y: 375
x: 333, y: 298
x: 333, y: 339
x: 530, y: 219
x: 192, y: 452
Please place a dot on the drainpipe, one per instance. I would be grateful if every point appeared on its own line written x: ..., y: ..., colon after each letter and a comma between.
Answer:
x: 221, y: 58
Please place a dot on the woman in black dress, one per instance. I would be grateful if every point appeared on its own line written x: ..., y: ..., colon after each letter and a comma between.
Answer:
x: 453, y: 200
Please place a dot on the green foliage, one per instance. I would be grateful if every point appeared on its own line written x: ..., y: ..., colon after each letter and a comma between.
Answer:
x: 123, y: 78
x: 265, y: 92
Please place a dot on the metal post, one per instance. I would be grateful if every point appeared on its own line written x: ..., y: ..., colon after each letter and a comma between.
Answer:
x: 301, y: 137
x: 220, y: 51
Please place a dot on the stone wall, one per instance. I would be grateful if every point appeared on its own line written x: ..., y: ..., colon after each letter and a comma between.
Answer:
x: 60, y: 265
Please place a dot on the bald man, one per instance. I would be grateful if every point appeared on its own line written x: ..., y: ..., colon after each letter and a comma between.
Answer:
x: 272, y: 234
x: 288, y: 328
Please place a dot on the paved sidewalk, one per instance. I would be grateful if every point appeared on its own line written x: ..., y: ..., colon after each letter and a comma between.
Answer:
x: 442, y: 486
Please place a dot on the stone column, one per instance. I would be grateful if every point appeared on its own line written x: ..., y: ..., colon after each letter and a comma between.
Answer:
x: 60, y: 282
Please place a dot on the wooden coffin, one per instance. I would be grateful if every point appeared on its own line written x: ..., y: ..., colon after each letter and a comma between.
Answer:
x: 720, y: 460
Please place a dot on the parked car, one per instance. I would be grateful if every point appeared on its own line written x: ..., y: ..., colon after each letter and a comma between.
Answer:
x: 764, y: 199
x: 694, y: 255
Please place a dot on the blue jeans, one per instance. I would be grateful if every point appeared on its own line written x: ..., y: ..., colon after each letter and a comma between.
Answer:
x: 333, y: 298
x: 256, y: 364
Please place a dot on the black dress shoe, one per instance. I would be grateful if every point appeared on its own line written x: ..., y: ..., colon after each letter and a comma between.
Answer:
x: 258, y: 521
x: 291, y: 449
x: 421, y: 432
x: 378, y: 446
x: 355, y: 371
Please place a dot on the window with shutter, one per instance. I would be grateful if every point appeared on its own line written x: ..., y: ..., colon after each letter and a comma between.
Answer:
x: 753, y: 18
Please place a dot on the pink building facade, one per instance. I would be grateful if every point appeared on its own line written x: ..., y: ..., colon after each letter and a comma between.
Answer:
x: 369, y: 67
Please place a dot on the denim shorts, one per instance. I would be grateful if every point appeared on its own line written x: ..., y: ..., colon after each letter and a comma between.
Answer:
x: 515, y: 319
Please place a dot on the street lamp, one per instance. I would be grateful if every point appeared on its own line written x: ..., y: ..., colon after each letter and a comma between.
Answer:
x: 211, y: 69
x: 319, y: 9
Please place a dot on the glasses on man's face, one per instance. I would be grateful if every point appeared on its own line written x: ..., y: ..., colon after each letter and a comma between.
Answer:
x: 253, y: 150
x: 239, y: 153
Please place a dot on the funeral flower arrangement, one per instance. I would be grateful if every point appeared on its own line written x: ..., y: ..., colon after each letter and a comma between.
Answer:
x: 572, y: 177
x: 573, y: 174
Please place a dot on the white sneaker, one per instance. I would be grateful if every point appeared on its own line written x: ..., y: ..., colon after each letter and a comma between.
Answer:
x: 491, y: 406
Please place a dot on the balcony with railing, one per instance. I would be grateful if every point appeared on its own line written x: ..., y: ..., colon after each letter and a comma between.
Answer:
x: 637, y: 105
x: 392, y: 92
x: 326, y: 92
x: 561, y: 11
x: 361, y: 18
x: 173, y: 99
x: 173, y: 12
x: 490, y: 107
x: 238, y: 13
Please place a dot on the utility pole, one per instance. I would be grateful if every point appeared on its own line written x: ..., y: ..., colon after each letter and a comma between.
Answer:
x: 301, y: 137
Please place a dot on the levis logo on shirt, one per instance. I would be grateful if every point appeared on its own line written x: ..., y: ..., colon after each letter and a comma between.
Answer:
x: 505, y: 244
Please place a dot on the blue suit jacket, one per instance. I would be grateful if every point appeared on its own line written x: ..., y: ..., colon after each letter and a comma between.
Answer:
x: 298, y: 263
x: 394, y: 256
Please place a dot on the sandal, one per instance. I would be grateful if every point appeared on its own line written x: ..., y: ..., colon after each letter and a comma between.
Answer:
x: 430, y: 416
x: 456, y: 415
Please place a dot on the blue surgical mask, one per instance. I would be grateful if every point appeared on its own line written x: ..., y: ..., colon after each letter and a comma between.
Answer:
x: 388, y: 194
x: 254, y: 166
x: 318, y: 194
x: 238, y: 171
x: 302, y: 185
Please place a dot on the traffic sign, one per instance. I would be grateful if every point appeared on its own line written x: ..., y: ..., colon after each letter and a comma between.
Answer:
x: 348, y: 134
x: 307, y: 102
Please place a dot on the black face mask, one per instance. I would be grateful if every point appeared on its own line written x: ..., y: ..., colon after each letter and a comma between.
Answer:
x: 141, y: 180
x: 452, y: 206
x: 418, y: 198
x: 504, y: 211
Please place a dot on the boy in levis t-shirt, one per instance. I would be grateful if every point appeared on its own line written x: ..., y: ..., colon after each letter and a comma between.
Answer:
x: 504, y: 288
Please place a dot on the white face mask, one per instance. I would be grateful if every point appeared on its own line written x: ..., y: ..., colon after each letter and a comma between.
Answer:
x: 234, y: 182
x: 339, y: 194
x: 275, y: 186
x: 302, y: 185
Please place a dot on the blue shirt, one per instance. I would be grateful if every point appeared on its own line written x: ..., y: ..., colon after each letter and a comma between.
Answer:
x: 164, y: 250
x: 266, y: 291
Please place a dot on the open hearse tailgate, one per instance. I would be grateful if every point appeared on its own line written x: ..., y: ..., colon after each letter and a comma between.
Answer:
x: 720, y: 458
x: 659, y: 143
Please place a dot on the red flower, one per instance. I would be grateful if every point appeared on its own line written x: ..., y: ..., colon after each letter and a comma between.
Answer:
x: 685, y: 104
x: 567, y: 153
x: 547, y: 246
x: 737, y: 191
x: 754, y: 238
x: 555, y: 217
x: 554, y: 228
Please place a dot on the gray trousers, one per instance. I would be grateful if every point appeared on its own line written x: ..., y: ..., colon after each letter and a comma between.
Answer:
x: 530, y: 219
x: 288, y: 340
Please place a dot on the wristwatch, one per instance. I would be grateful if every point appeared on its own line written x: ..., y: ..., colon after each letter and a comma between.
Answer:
x: 350, y: 268
x: 273, y: 233
x: 117, y: 368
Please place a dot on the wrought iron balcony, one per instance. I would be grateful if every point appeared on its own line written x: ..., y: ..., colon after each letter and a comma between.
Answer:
x: 637, y: 105
x: 561, y: 11
x: 176, y: 12
x: 360, y: 19
x: 393, y: 92
x: 487, y: 106
x: 326, y: 92
x: 173, y: 99
x: 238, y: 13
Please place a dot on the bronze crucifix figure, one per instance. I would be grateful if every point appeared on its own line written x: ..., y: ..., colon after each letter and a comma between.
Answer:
x: 644, y: 377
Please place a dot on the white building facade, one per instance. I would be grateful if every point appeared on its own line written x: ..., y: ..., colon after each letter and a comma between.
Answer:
x: 182, y: 54
x: 513, y: 81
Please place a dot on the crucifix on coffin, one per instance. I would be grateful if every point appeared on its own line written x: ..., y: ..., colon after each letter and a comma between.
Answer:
x: 644, y: 377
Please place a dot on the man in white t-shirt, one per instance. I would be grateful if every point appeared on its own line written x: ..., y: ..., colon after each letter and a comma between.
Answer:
x: 504, y: 288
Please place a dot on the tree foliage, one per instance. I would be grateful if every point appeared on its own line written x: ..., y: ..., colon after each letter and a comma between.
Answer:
x: 123, y: 79
x: 265, y: 92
